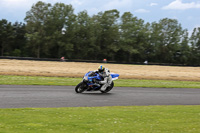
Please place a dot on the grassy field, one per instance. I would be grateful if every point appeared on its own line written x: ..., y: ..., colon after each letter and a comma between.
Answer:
x: 137, y: 119
x: 39, y: 80
x: 131, y: 119
x: 77, y: 69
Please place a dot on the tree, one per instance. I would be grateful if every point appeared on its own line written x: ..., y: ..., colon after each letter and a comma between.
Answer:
x: 185, y: 50
x: 52, y: 31
x: 6, y: 36
x: 108, y: 40
x: 147, y: 53
x: 19, y: 43
x: 59, y: 29
x: 132, y: 37
x: 36, y: 19
x: 82, y: 35
x: 166, y: 37
x: 195, y: 47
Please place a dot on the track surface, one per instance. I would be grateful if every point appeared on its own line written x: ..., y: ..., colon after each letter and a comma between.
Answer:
x: 17, y: 96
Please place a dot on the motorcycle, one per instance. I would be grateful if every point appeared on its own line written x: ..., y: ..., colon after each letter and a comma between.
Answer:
x: 90, y: 83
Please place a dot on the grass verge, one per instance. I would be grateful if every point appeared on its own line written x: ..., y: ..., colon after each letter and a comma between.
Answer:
x: 135, y: 119
x: 38, y: 80
x: 144, y: 119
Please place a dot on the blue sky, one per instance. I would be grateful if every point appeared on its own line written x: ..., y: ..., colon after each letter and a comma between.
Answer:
x: 185, y: 11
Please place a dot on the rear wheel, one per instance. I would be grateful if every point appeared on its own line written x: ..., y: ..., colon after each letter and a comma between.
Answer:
x: 109, y: 88
x: 81, y: 87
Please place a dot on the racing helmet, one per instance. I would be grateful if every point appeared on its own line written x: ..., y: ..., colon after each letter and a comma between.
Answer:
x: 101, y: 68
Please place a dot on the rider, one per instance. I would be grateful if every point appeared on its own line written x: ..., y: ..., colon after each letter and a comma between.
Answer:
x: 105, y: 74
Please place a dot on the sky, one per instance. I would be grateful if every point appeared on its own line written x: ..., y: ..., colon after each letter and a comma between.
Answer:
x: 187, y: 12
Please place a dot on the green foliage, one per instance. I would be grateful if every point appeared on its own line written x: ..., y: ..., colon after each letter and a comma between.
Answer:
x: 156, y: 83
x: 132, y: 38
x: 166, y: 39
x: 53, y: 31
x: 31, y: 80
x: 37, y: 80
x: 16, y: 52
x: 137, y: 119
x: 195, y: 49
x: 6, y: 36
x: 36, y: 20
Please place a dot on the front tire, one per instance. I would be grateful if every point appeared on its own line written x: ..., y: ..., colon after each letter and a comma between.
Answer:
x: 109, y: 88
x: 81, y: 87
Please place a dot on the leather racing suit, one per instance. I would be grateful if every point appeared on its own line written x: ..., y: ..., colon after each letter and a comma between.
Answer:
x: 107, y: 79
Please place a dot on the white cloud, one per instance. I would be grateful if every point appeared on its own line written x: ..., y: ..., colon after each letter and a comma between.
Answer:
x: 191, y: 30
x: 153, y: 4
x: 142, y: 11
x: 93, y: 11
x: 190, y: 18
x: 179, y: 5
x: 16, y: 5
x: 115, y: 4
x: 197, y: 26
x: 76, y: 2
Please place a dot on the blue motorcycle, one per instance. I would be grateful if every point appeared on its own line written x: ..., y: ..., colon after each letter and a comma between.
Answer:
x: 90, y: 83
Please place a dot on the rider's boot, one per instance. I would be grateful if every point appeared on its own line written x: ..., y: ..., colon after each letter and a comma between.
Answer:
x: 103, y: 88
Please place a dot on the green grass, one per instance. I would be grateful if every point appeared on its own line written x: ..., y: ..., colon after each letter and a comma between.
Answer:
x: 135, y: 119
x: 37, y: 80
x: 157, y: 83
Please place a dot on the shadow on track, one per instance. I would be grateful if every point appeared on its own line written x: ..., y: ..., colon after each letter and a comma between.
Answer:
x: 97, y: 94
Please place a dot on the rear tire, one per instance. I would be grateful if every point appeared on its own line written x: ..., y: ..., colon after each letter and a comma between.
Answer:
x: 81, y: 87
x: 109, y: 88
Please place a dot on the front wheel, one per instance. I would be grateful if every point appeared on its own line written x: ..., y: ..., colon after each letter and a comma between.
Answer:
x: 109, y: 88
x: 81, y: 87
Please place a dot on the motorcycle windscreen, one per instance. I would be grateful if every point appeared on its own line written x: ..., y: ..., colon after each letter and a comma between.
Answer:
x: 114, y: 76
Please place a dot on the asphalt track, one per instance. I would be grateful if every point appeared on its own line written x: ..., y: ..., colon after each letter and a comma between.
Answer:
x: 18, y: 96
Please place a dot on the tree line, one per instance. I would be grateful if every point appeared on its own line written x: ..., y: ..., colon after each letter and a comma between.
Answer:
x: 53, y: 31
